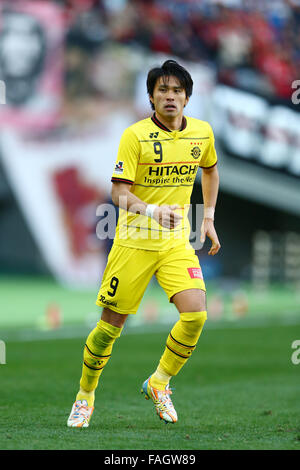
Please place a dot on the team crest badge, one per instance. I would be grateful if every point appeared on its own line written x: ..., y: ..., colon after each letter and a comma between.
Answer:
x: 195, y: 152
x: 153, y: 135
x: 119, y: 167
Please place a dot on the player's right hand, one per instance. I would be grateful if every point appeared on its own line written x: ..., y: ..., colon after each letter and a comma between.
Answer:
x: 167, y: 217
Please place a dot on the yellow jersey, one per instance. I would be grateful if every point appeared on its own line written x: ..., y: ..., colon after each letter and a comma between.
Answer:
x: 161, y: 167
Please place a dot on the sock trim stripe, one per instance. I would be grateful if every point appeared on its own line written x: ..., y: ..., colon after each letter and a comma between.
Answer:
x: 177, y: 354
x: 181, y: 344
x: 95, y: 355
x: 93, y: 368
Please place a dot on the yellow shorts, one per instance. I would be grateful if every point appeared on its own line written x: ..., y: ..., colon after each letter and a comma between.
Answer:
x: 129, y: 271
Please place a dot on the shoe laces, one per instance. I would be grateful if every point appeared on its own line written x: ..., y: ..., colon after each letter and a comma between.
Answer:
x: 164, y: 401
x: 81, y: 410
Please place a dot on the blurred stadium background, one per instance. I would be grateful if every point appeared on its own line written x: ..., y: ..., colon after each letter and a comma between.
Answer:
x: 74, y: 75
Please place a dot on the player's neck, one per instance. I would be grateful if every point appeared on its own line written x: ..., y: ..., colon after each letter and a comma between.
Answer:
x: 173, y: 124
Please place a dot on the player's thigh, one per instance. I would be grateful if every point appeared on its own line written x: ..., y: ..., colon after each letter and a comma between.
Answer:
x: 179, y: 271
x: 190, y: 300
x: 125, y: 279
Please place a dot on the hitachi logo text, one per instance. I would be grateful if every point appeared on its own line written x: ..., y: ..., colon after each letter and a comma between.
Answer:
x: 172, y: 170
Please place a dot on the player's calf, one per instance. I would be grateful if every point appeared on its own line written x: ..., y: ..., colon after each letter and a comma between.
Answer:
x: 182, y: 341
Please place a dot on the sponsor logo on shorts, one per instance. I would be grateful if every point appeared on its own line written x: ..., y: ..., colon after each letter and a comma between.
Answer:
x: 195, y: 273
x: 107, y: 302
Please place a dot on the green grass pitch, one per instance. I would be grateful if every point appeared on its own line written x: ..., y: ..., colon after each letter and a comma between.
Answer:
x: 240, y: 390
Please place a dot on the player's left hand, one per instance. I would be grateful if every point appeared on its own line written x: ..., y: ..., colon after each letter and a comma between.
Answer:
x: 208, y: 230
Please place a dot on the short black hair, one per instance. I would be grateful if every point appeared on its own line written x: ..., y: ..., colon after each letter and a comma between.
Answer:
x: 170, y: 67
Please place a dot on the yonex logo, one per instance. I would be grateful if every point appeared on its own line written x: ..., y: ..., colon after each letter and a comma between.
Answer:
x: 2, y: 352
x: 153, y: 135
x: 98, y: 363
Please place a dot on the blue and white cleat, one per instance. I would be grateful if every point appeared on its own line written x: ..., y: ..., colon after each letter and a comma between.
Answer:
x: 80, y: 415
x: 162, y: 401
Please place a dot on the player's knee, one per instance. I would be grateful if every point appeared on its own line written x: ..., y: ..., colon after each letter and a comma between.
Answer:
x: 113, y: 318
x: 194, y: 320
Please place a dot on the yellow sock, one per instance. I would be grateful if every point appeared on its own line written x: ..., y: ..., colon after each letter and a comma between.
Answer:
x: 160, y: 378
x: 88, y: 396
x: 97, y: 352
x: 181, y: 342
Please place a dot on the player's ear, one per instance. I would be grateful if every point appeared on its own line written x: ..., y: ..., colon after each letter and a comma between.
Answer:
x: 186, y: 101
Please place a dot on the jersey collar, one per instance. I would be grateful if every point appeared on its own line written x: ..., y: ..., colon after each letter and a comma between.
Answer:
x: 162, y: 126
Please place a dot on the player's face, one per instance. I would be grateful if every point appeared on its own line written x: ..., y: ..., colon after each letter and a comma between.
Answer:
x: 169, y: 97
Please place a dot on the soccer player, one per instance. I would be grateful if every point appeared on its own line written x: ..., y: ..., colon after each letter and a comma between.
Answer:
x: 155, y: 170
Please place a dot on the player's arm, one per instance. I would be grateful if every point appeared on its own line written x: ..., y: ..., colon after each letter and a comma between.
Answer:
x: 123, y: 197
x: 210, y: 189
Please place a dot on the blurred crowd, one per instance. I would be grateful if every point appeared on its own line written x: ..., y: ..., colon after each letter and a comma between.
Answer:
x: 252, y: 44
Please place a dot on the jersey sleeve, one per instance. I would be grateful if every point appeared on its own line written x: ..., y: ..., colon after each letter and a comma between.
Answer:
x: 209, y: 158
x: 127, y: 158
